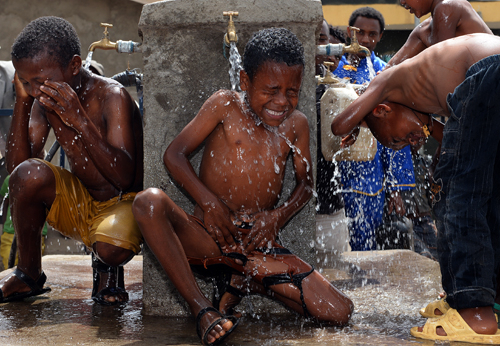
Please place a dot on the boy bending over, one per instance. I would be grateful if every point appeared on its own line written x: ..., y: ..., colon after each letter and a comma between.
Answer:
x: 448, y: 19
x: 459, y: 79
x: 248, y: 137
x: 99, y: 127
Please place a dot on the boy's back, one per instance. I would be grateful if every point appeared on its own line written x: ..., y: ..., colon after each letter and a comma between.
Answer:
x: 450, y: 61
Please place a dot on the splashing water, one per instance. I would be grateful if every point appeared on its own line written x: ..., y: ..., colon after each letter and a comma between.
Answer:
x: 88, y: 60
x: 234, y: 71
x: 371, y: 70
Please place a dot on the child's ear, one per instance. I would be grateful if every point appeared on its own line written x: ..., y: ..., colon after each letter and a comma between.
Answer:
x: 381, y: 110
x: 75, y: 64
x: 244, y: 80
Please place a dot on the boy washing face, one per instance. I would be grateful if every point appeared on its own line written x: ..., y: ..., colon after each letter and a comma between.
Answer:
x: 461, y: 84
x: 99, y: 127
x: 236, y: 220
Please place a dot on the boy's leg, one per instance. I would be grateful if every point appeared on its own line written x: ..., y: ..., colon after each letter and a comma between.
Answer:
x: 295, y: 283
x: 32, y: 191
x: 466, y: 173
x: 171, y: 235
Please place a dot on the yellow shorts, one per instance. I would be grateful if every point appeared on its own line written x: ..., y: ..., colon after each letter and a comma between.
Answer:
x: 77, y: 215
x: 5, y: 246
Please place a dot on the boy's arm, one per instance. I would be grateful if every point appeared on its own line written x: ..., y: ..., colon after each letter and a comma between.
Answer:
x: 268, y: 223
x: 347, y: 121
x: 28, y: 130
x: 113, y: 152
x: 413, y: 45
x: 216, y: 215
x: 445, y: 19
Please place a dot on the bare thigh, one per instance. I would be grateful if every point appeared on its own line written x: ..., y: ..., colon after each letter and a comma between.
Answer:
x: 154, y: 209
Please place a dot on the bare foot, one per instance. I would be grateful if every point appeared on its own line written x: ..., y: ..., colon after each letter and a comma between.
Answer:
x: 233, y: 295
x: 218, y: 331
x: 108, y: 292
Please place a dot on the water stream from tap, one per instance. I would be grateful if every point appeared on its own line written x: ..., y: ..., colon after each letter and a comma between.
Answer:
x: 234, y: 71
x: 88, y: 60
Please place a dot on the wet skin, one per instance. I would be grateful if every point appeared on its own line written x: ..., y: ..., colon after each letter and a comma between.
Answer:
x: 421, y: 83
x: 240, y: 179
x: 98, y: 126
x: 448, y: 19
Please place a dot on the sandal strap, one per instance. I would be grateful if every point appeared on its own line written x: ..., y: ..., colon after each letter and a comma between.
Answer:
x: 32, y: 284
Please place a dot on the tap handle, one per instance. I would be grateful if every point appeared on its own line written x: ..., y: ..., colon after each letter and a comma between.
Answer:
x: 106, y: 26
x: 354, y: 31
x: 329, y: 65
x: 230, y: 14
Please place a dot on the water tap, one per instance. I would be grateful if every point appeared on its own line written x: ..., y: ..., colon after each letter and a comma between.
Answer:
x: 329, y: 78
x: 120, y: 46
x: 355, y: 47
x: 340, y: 48
x: 230, y: 36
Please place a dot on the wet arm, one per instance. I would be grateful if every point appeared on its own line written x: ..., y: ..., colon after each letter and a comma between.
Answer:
x: 216, y: 215
x: 344, y: 123
x: 112, y: 152
x: 26, y: 137
x: 444, y: 22
x: 413, y: 46
x: 303, y: 174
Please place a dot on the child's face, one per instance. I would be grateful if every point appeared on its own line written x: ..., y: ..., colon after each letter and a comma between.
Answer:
x: 396, y: 127
x: 273, y: 93
x: 369, y: 32
x: 33, y: 72
x: 324, y: 37
x: 417, y: 7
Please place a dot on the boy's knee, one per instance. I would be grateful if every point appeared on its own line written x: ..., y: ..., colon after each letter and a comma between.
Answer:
x: 32, y: 175
x: 146, y: 202
x: 112, y: 255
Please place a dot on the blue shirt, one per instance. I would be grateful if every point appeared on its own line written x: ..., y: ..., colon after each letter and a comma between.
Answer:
x: 393, y: 167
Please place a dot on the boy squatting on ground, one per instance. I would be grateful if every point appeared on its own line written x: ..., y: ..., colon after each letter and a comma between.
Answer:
x: 236, y: 221
x: 458, y: 78
x: 99, y: 127
x: 448, y: 19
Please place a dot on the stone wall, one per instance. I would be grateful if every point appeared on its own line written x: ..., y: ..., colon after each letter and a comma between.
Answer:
x: 183, y: 65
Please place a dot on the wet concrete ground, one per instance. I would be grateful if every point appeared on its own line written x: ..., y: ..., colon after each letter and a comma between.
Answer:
x: 387, y: 287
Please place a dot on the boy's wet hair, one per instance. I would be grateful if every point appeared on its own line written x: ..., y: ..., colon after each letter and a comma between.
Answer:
x: 337, y: 33
x: 53, y: 35
x: 274, y: 44
x: 368, y: 12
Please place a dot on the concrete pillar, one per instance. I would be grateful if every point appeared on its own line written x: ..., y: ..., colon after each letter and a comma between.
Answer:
x: 183, y: 65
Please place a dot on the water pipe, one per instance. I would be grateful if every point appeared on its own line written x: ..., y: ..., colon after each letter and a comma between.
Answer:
x: 230, y: 35
x: 120, y: 46
x: 340, y: 48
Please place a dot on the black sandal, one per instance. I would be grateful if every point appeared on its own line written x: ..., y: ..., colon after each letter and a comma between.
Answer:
x: 99, y: 268
x: 36, y: 287
x: 204, y: 338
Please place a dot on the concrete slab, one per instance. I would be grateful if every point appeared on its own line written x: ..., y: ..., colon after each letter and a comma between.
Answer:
x: 387, y: 287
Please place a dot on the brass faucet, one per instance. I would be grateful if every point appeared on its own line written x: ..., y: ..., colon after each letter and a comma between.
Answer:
x: 230, y: 36
x: 355, y: 47
x: 329, y: 78
x: 104, y: 43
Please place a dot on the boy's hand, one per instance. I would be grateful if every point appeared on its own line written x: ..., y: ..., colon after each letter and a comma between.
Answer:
x: 264, y: 231
x: 21, y: 94
x: 217, y: 220
x: 350, y: 139
x: 63, y: 100
x: 395, y: 203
